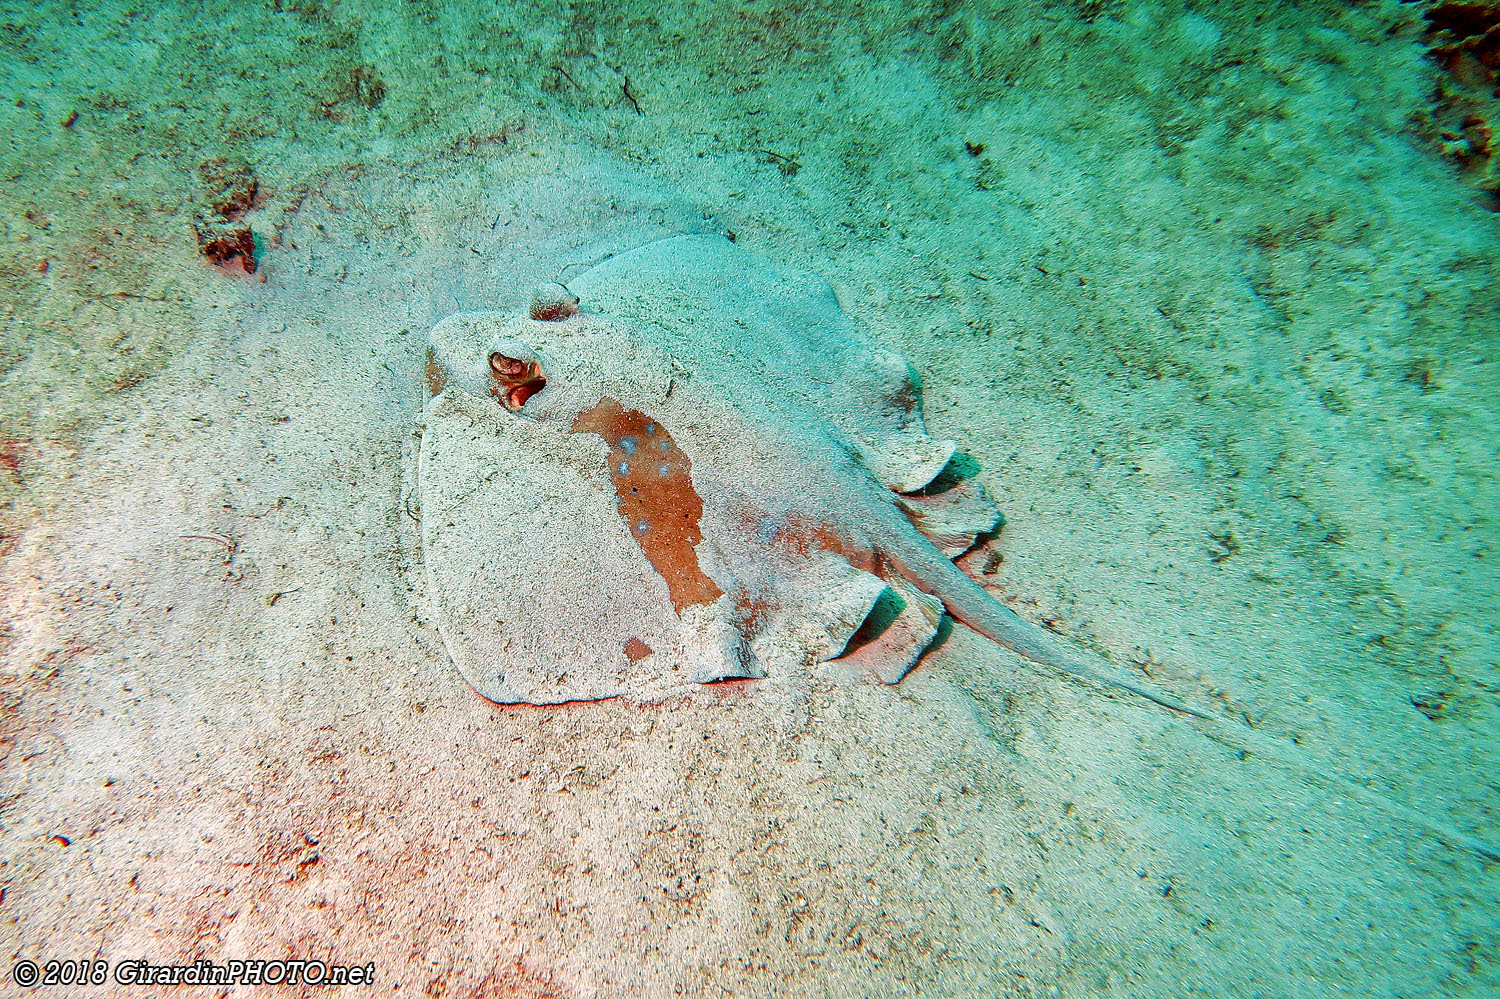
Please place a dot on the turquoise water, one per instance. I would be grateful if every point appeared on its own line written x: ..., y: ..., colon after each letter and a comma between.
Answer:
x: 1205, y: 294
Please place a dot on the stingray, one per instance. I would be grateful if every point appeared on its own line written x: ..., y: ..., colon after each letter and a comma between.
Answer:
x: 689, y: 466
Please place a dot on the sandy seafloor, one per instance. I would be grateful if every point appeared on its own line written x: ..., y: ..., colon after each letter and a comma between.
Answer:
x: 1210, y: 307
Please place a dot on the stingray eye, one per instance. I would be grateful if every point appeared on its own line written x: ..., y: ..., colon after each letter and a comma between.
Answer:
x: 517, y: 379
x: 506, y: 367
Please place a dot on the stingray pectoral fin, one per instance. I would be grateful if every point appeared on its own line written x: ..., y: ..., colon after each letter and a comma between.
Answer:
x: 908, y: 460
x: 538, y: 591
x: 954, y: 518
x: 897, y: 630
x: 811, y: 609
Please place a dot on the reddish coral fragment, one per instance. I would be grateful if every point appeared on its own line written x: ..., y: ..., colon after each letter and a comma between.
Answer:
x: 224, y: 247
x: 656, y: 497
x: 232, y: 191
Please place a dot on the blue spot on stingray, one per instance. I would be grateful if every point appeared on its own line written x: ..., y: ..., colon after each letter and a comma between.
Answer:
x: 642, y: 527
x: 650, y: 430
x: 666, y: 446
x: 628, y: 445
x: 663, y: 470
x: 624, y: 468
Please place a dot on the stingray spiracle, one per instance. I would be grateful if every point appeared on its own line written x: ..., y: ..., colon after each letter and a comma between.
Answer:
x: 552, y: 302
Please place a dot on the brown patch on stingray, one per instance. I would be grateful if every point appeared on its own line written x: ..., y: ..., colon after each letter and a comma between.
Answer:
x: 656, y: 497
x: 436, y: 380
x: 749, y: 610
x: 636, y: 650
x: 802, y: 535
x: 799, y: 535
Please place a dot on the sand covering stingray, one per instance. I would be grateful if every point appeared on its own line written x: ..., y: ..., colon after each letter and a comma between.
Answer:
x: 703, y: 471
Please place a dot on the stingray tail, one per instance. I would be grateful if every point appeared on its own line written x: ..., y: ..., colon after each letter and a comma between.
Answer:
x: 970, y: 604
x: 1000, y: 624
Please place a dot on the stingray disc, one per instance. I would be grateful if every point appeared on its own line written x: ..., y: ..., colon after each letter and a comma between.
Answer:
x: 686, y: 477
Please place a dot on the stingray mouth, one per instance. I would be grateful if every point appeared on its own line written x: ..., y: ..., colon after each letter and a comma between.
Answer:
x: 517, y: 379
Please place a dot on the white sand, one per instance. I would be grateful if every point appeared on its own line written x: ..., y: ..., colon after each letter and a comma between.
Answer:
x: 1209, y: 278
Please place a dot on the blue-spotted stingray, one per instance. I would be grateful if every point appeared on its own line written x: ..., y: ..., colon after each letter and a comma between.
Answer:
x: 689, y: 465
